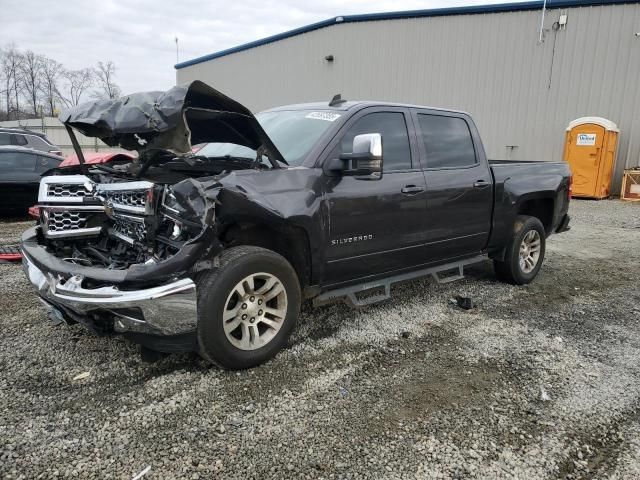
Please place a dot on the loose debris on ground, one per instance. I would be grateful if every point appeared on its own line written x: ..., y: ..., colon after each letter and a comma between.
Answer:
x: 540, y: 381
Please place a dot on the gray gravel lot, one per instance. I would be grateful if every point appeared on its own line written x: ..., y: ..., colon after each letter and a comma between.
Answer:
x: 540, y: 381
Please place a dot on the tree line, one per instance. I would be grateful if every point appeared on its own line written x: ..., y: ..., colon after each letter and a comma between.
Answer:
x: 34, y: 85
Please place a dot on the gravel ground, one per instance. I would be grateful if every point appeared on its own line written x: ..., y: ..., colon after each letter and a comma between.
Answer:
x: 540, y: 381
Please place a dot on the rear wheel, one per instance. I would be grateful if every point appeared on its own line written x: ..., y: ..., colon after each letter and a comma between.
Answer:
x: 247, y: 307
x: 524, y: 255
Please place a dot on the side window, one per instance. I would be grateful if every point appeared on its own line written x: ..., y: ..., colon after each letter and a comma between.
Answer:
x: 5, y: 139
x: 396, y: 152
x: 17, y: 161
x: 447, y: 141
x: 38, y: 143
x: 18, y: 140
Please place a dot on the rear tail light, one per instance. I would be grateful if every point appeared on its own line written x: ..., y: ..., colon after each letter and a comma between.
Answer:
x: 570, y: 190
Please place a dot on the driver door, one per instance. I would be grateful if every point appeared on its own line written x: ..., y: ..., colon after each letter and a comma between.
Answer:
x: 376, y: 225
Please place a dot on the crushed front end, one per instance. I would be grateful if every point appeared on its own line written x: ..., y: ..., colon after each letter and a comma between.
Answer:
x: 119, y: 256
x: 118, y: 247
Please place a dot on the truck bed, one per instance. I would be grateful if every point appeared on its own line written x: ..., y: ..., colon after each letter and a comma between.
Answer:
x: 521, y: 171
x: 517, y: 182
x: 518, y: 162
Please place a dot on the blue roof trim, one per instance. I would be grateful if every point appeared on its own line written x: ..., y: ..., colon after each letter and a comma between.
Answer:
x: 436, y: 12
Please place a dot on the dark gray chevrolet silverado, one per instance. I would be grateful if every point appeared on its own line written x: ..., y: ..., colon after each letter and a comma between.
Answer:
x: 214, y: 251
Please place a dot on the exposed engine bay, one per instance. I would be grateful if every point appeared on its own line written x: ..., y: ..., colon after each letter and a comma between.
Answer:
x: 113, y: 221
x: 111, y: 225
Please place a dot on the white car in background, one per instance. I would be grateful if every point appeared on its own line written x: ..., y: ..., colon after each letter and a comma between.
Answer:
x: 19, y: 137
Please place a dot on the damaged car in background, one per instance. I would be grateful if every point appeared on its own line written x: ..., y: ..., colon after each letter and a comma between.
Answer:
x: 213, y: 251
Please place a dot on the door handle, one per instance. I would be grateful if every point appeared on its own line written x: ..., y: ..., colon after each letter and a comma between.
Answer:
x: 412, y: 189
x: 481, y: 184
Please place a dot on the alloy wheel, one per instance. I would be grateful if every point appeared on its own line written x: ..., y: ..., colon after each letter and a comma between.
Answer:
x: 255, y: 311
x: 530, y: 251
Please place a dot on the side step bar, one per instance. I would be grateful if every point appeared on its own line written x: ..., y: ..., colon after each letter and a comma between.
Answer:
x: 440, y: 274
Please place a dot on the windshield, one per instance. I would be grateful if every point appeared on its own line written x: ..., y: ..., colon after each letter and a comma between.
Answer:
x: 293, y: 132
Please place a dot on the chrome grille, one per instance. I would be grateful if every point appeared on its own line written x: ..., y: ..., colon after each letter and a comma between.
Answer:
x: 70, y: 221
x: 67, y: 190
x: 128, y: 199
x: 69, y: 201
x: 61, y: 221
x: 131, y: 197
x: 133, y: 228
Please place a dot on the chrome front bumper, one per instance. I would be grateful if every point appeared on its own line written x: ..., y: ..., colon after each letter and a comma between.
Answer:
x: 169, y: 309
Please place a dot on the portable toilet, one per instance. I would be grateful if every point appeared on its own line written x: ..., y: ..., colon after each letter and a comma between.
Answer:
x: 590, y: 149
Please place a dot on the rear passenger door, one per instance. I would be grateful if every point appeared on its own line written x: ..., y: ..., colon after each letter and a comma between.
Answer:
x: 459, y: 185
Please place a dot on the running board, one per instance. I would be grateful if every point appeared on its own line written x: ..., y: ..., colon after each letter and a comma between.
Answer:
x: 438, y: 275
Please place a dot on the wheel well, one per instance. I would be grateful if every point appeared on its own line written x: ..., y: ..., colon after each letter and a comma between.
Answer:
x: 290, y: 242
x: 541, y: 208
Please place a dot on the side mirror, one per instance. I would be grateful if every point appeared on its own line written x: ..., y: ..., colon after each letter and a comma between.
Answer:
x: 365, y: 159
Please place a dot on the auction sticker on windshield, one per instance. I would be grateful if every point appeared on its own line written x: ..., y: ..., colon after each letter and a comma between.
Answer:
x: 328, y: 116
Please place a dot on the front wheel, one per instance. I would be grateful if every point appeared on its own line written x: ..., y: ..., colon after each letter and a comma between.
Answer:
x: 247, y: 307
x: 524, y: 255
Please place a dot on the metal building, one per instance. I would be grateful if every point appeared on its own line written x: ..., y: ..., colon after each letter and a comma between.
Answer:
x: 523, y: 75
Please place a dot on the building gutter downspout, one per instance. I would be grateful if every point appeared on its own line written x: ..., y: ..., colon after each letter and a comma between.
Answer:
x: 544, y: 9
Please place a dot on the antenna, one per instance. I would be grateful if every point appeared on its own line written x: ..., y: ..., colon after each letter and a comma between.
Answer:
x: 177, y: 56
x: 336, y: 100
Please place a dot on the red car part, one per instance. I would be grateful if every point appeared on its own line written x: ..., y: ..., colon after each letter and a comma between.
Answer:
x: 97, y: 157
x: 10, y: 254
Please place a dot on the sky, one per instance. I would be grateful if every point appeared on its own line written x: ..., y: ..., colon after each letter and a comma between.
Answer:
x: 139, y: 35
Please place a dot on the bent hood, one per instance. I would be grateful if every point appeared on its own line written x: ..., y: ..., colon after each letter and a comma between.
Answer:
x: 173, y: 120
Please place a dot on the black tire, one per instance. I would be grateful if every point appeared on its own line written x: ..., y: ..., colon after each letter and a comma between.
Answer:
x: 510, y: 270
x: 214, y: 287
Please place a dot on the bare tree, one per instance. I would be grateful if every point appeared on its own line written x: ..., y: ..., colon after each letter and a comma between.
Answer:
x: 4, y: 114
x: 75, y: 83
x: 43, y: 83
x: 31, y: 76
x: 105, y: 75
x: 17, y: 81
x: 51, y: 75
x: 10, y: 66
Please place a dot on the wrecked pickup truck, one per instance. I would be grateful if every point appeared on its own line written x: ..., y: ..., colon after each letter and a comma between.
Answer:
x: 214, y: 251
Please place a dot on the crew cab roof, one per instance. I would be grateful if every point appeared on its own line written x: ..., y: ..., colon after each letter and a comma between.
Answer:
x: 356, y: 105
